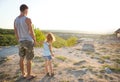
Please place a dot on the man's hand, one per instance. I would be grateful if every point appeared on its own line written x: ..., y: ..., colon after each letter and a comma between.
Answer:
x: 35, y: 42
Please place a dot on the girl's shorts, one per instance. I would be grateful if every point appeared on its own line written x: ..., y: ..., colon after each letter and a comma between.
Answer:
x: 47, y: 57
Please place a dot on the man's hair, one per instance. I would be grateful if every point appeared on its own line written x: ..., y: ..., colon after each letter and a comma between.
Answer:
x: 23, y: 7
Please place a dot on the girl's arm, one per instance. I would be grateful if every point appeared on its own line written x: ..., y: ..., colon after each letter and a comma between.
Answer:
x: 41, y: 43
x: 50, y: 47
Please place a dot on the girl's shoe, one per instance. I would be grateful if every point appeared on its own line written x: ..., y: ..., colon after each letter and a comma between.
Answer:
x: 47, y: 74
x: 52, y: 74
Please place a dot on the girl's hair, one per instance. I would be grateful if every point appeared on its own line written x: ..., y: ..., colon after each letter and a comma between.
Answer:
x: 50, y: 37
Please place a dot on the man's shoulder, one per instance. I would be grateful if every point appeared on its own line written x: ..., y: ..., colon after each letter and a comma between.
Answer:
x: 28, y: 20
x: 16, y: 18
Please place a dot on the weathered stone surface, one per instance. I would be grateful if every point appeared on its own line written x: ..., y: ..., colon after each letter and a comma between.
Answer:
x: 88, y: 47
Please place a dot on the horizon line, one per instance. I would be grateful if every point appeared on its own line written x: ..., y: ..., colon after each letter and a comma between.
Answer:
x: 68, y: 31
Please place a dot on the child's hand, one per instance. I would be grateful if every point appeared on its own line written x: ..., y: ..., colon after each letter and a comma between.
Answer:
x: 53, y: 55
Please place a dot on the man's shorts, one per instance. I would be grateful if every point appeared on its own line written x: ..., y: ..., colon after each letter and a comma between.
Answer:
x: 26, y: 49
x: 47, y: 57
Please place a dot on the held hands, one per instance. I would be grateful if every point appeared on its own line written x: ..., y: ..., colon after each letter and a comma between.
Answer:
x: 52, y: 55
x: 35, y: 42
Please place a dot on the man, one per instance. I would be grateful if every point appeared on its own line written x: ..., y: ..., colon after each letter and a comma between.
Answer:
x: 26, y: 37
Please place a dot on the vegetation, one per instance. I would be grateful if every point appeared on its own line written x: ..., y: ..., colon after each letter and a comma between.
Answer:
x: 114, y: 68
x: 117, y: 60
x: 61, y: 58
x: 71, y: 41
x: 40, y: 36
x: 106, y: 57
x: 7, y: 38
x: 60, y: 42
x: 38, y: 59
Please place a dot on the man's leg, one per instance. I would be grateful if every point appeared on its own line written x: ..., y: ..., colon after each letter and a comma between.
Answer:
x: 22, y: 66
x: 29, y: 68
x: 29, y: 57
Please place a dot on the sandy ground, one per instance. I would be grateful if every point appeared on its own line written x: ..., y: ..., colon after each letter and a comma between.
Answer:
x: 80, y: 63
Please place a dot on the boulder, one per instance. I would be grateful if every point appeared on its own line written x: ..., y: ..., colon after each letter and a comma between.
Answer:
x: 88, y: 47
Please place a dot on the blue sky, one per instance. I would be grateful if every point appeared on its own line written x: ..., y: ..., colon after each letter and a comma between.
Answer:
x: 93, y: 16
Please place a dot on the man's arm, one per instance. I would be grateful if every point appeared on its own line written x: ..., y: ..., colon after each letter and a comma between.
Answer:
x: 29, y: 23
x: 16, y: 33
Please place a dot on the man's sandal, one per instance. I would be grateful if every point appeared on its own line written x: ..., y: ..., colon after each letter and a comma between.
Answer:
x: 31, y: 77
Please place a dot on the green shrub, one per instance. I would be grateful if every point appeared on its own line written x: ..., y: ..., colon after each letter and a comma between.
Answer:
x: 7, y: 31
x: 71, y: 41
x: 60, y: 42
x: 6, y: 40
x: 40, y: 36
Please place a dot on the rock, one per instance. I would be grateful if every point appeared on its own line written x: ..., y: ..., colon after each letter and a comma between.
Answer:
x: 80, y: 62
x: 107, y: 61
x: 78, y: 73
x: 88, y: 47
x: 107, y: 70
x: 101, y: 62
x: 80, y: 80
x: 96, y: 57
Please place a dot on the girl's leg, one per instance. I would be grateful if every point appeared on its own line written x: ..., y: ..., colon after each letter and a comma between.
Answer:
x: 46, y: 66
x: 50, y: 66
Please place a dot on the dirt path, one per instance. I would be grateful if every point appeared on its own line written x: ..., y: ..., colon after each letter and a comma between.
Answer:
x: 71, y: 64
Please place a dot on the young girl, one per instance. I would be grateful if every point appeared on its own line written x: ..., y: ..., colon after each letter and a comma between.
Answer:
x: 48, y: 54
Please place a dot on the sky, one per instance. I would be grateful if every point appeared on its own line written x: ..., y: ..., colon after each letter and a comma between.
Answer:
x: 91, y: 16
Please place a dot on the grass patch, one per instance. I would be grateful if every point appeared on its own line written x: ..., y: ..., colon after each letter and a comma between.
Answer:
x: 3, y: 59
x: 64, y: 81
x: 38, y: 59
x: 97, y: 53
x: 90, y: 67
x: 71, y: 41
x: 106, y: 57
x: 113, y: 68
x: 89, y: 53
x: 83, y: 66
x: 55, y: 64
x: 101, y: 60
x: 60, y: 42
x: 3, y: 75
x: 79, y: 63
x: 62, y: 58
x: 117, y: 60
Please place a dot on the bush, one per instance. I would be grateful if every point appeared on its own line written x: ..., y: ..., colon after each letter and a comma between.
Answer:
x: 6, y: 40
x: 60, y: 42
x: 71, y: 41
x: 40, y: 36
x: 6, y: 31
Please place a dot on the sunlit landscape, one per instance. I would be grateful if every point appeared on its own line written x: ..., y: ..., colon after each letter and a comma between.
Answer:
x: 87, y: 45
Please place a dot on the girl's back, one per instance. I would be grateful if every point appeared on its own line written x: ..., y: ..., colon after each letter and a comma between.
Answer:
x: 46, y: 49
